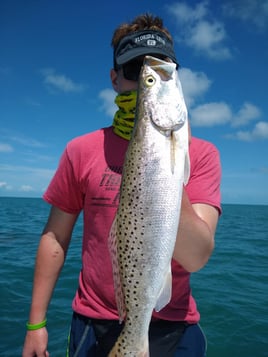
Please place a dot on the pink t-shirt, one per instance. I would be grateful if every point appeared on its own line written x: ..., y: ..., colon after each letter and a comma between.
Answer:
x: 88, y: 178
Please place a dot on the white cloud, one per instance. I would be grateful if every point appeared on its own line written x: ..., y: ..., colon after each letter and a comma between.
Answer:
x: 194, y: 85
x: 60, y: 81
x: 259, y: 132
x: 26, y: 141
x: 210, y: 114
x: 264, y: 170
x: 27, y: 171
x: 246, y: 114
x: 30, y: 180
x: 250, y: 11
x: 108, y: 106
x: 208, y: 38
x: 6, y: 148
x: 26, y: 188
x: 5, y: 186
x: 185, y: 14
x: 18, y: 138
x: 199, y: 31
x: 220, y: 113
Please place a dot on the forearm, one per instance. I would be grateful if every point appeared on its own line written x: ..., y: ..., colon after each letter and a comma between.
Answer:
x: 195, y: 239
x: 49, y: 262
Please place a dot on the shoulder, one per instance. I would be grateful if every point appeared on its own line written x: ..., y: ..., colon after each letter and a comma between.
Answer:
x: 92, y: 137
x: 205, y: 177
x: 198, y: 146
x: 202, y: 151
x: 88, y: 143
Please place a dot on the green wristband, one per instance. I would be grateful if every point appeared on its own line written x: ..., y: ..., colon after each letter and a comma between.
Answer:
x: 32, y: 327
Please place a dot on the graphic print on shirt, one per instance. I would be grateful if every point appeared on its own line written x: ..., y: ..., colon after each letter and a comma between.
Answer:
x: 109, y: 187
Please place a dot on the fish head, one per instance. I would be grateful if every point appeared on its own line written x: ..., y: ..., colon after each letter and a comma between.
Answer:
x: 160, y: 97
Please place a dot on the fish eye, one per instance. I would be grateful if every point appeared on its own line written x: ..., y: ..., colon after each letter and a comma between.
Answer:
x: 150, y: 81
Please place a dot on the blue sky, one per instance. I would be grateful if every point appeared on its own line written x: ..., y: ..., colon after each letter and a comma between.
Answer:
x: 54, y: 83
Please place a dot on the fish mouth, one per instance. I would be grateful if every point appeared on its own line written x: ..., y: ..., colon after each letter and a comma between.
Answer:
x: 164, y: 68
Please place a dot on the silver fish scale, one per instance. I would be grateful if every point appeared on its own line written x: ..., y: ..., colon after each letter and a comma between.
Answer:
x: 144, y: 231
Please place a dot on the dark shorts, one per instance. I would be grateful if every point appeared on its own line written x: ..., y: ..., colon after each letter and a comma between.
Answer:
x: 95, y: 338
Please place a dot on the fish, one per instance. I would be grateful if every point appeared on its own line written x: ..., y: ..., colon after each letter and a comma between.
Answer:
x: 144, y: 230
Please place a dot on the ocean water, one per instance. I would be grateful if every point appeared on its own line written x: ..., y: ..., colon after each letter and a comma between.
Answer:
x: 231, y: 291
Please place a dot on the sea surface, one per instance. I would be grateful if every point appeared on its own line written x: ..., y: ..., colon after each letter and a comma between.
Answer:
x: 231, y: 291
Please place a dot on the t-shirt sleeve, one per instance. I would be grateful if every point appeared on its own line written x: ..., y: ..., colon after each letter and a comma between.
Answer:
x: 64, y: 190
x: 205, y: 178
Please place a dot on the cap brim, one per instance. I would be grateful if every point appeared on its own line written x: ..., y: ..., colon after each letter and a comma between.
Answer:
x: 141, y: 51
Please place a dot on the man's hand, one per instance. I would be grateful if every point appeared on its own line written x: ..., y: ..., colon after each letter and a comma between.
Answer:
x: 35, y: 344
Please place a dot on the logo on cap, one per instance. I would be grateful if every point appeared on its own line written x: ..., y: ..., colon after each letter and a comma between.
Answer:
x: 151, y: 39
x: 151, y: 43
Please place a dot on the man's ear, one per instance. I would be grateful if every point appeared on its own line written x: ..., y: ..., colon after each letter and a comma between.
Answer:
x: 114, y: 79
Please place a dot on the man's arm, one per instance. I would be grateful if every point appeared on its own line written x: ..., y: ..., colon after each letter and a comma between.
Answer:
x: 195, y: 239
x: 49, y: 262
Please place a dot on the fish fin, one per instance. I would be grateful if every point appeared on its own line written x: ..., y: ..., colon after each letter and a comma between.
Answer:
x: 119, y: 296
x: 172, y: 151
x: 186, y: 168
x: 165, y: 292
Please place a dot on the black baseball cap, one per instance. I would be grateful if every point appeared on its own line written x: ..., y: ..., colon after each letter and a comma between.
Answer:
x: 139, y: 43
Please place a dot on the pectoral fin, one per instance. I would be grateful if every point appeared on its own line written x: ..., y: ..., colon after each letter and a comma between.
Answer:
x: 186, y: 168
x: 165, y: 292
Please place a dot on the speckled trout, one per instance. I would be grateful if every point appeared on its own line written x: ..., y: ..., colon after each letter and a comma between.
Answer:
x: 144, y: 230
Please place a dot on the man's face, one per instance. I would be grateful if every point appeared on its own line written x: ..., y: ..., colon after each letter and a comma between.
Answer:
x: 126, y: 77
x: 123, y: 84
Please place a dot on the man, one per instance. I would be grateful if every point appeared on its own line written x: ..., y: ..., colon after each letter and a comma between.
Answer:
x: 88, y: 179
